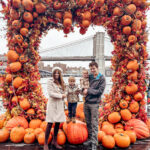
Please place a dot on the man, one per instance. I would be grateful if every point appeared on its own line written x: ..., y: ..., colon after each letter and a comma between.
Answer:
x: 92, y: 101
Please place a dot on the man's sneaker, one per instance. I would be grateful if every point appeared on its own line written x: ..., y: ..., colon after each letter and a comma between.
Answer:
x: 87, y: 143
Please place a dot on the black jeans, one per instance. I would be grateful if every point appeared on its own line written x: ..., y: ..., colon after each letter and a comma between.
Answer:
x: 72, y: 109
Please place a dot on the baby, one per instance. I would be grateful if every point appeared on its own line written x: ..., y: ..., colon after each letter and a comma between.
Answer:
x: 84, y: 81
x: 72, y: 92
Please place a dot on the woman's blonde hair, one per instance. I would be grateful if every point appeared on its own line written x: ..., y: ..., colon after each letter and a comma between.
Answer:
x: 60, y: 79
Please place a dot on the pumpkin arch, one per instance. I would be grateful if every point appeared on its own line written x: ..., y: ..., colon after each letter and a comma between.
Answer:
x: 125, y: 25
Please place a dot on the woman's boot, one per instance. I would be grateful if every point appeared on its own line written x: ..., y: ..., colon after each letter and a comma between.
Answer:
x: 55, y: 144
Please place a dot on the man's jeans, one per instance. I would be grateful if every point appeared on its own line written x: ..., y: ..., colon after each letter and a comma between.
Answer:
x: 91, y: 117
x: 72, y: 109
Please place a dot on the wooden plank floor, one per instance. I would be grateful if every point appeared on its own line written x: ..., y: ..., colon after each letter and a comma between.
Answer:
x: 139, y: 145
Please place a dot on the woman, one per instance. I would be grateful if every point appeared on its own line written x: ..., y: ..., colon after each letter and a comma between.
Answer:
x: 55, y: 106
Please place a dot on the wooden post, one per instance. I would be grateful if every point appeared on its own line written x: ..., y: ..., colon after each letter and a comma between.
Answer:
x: 98, y: 51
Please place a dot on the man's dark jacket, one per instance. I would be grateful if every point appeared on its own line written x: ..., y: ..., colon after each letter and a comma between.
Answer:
x: 95, y: 90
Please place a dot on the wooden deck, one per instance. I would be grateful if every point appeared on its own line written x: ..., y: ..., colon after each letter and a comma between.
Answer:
x: 139, y: 145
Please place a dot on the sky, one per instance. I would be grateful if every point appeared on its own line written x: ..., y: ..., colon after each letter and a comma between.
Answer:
x: 56, y: 38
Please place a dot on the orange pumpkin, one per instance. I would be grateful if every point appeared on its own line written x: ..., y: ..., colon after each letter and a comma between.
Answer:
x: 108, y: 141
x: 35, y: 123
x: 134, y: 107
x: 24, y: 31
x: 148, y: 123
x: 133, y: 65
x: 61, y: 137
x: 114, y: 117
x: 109, y: 130
x: 133, y: 75
x: 18, y: 39
x: 17, y: 121
x: 57, y: 5
x: 139, y: 127
x: 131, y: 88
x: 100, y: 135
x: 76, y: 133
x: 37, y: 132
x: 119, y: 126
x: 136, y: 25
x: 17, y: 134
x: 4, y: 135
x: 85, y: 23
x: 67, y: 14
x: 27, y: 16
x: 127, y: 30
x: 31, y: 111
x: 15, y: 66
x: 29, y: 138
x: 128, y: 98
x: 24, y: 104
x: 16, y: 24
x: 29, y: 130
x: 40, y: 8
x: 43, y: 125
x: 132, y: 135
x: 117, y: 11
x: 123, y: 104
x: 138, y: 96
x: 132, y: 39
x: 125, y: 114
x: 126, y: 20
x: 131, y: 9
x: 86, y: 15
x: 8, y: 78
x: 41, y: 138
x: 122, y: 140
x: 80, y: 111
x: 17, y: 82
x: 16, y: 3
x: 28, y: 5
x: 58, y: 15
x: 67, y: 23
x: 138, y: 14
x: 14, y: 99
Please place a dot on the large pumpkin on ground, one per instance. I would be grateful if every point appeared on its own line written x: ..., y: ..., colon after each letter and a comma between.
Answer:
x: 17, y: 121
x: 61, y: 138
x: 80, y: 112
x: 4, y: 135
x: 76, y: 133
x: 17, y: 134
x: 132, y: 135
x: 122, y: 140
x: 29, y: 138
x: 139, y: 127
x: 108, y: 141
